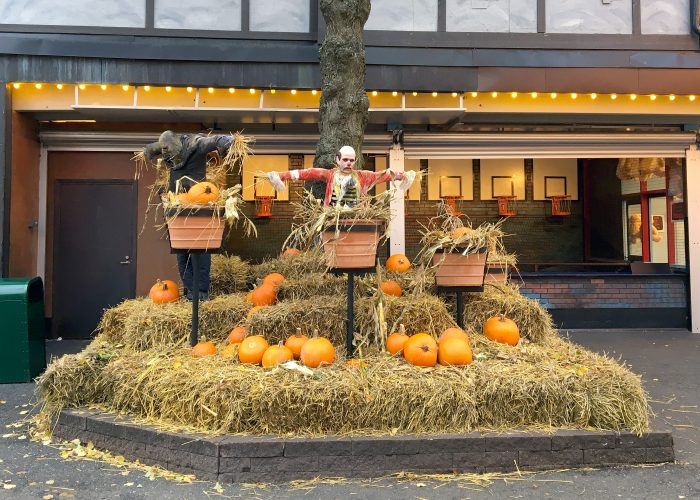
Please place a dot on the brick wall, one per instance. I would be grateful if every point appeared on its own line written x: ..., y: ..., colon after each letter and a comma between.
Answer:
x: 535, y: 236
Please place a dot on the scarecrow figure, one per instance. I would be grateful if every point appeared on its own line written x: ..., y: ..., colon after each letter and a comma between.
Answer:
x: 344, y: 185
x: 185, y: 155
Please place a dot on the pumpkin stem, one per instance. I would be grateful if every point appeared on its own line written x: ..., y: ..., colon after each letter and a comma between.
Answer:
x: 298, y: 334
x: 402, y: 329
x: 207, y: 189
x: 425, y: 348
x: 316, y: 333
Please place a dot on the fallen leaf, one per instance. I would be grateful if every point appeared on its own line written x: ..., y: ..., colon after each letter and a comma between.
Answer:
x: 50, y: 482
x: 8, y: 486
x: 128, y: 484
x: 47, y: 497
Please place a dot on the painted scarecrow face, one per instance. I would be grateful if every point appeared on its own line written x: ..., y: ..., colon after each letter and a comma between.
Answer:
x: 346, y: 159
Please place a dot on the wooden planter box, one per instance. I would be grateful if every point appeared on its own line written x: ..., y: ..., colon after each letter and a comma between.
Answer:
x: 455, y: 269
x: 497, y: 273
x: 355, y: 248
x: 195, y: 228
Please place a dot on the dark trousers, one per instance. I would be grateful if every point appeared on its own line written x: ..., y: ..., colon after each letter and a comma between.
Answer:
x: 184, y: 264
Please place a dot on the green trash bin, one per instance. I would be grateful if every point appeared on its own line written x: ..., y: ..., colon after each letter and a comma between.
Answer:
x: 23, y: 355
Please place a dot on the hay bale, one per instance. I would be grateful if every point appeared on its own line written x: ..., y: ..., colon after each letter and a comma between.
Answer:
x: 229, y: 274
x: 323, y: 313
x: 533, y: 320
x: 291, y: 266
x: 555, y: 385
x: 140, y: 324
x: 313, y: 285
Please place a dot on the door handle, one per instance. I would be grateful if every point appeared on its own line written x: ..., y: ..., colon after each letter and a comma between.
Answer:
x: 127, y: 260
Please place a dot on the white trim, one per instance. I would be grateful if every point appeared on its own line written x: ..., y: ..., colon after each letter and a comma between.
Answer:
x: 43, y: 213
x: 692, y: 183
x: 397, y: 226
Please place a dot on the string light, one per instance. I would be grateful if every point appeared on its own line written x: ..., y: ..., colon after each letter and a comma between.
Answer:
x: 454, y: 94
x: 16, y: 85
x: 474, y: 94
x: 168, y: 89
x: 652, y: 97
x: 252, y: 91
x: 210, y: 90
x: 374, y: 93
x: 594, y: 96
x: 59, y: 86
x: 37, y: 86
x: 125, y: 88
x: 147, y: 88
x: 692, y: 97
x: 314, y: 92
x: 103, y: 86
x: 415, y: 93
x: 81, y: 86
x: 190, y: 89
x: 613, y: 96
x: 231, y: 90
x: 394, y: 93
x: 494, y: 94
x: 294, y: 92
x: 434, y: 94
x: 633, y: 97
x: 672, y: 97
x: 514, y: 95
x: 533, y: 95
x: 574, y: 95
x: 553, y: 95
x: 273, y: 91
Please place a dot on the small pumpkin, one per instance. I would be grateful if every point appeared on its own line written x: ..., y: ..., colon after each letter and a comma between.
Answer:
x: 391, y: 287
x: 398, y: 263
x: 275, y: 279
x: 253, y: 310
x: 356, y: 363
x: 251, y: 350
x: 421, y: 350
x: 203, y: 349
x: 230, y: 351
x: 396, y: 341
x: 461, y: 232
x: 453, y: 332
x: 164, y: 291
x: 237, y: 335
x: 276, y: 355
x: 291, y: 251
x: 316, y: 352
x: 249, y: 297
x: 502, y: 329
x: 184, y: 198
x: 454, y: 352
x: 203, y: 193
x: 264, y: 295
x: 296, y: 342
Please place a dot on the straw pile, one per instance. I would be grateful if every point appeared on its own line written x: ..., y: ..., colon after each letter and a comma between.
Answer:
x: 533, y: 386
x: 533, y: 320
x: 140, y: 324
x: 229, y: 274
x: 291, y: 266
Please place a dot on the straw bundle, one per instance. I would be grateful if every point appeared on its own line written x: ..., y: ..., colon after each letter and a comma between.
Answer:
x: 229, y: 274
x: 140, y: 324
x: 291, y: 266
x: 532, y: 386
x: 532, y: 319
x: 314, y: 285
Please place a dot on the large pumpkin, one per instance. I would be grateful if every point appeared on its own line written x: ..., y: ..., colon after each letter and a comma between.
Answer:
x: 391, y: 287
x: 398, y: 263
x: 203, y: 193
x: 421, y: 350
x: 295, y: 342
x: 275, y: 355
x: 252, y: 349
x: 275, y: 279
x: 203, y: 349
x: 317, y: 352
x: 396, y: 341
x: 264, y: 295
x: 237, y: 335
x: 502, y: 329
x: 291, y: 251
x: 461, y: 232
x: 164, y: 291
x: 454, y: 352
x: 453, y: 332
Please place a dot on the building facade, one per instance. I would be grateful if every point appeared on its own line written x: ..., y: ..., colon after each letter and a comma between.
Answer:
x: 509, y: 107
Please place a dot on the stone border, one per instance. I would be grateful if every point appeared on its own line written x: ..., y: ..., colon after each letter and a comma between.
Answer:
x: 272, y: 459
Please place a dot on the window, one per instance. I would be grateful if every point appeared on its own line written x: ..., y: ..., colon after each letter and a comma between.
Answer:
x: 224, y: 15
x: 403, y: 15
x: 503, y: 16
x: 100, y: 13
x: 589, y: 16
x: 666, y: 17
x: 280, y: 15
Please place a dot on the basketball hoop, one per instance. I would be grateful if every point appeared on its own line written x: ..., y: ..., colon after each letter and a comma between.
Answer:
x: 561, y: 205
x: 263, y: 205
x: 506, y: 206
x: 451, y: 202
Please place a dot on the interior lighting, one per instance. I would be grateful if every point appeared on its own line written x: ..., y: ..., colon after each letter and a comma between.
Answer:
x: 273, y: 91
x: 613, y: 96
x: 294, y: 92
x: 125, y: 88
x: 231, y: 90
x: 16, y: 85
x: 37, y: 85
x: 210, y: 90
x: 374, y: 93
x: 103, y: 86
x: 189, y: 89
x: 168, y: 89
x: 314, y: 92
x: 553, y: 95
x: 514, y: 95
x: 394, y: 93
x: 415, y: 93
x: 81, y: 86
x: 434, y: 94
x: 652, y: 97
x: 594, y: 96
x: 147, y: 88
x: 533, y: 95
x: 252, y: 91
x: 454, y: 94
x: 672, y: 97
x: 574, y: 95
x: 474, y: 94
x: 59, y: 86
x: 633, y: 97
x: 494, y: 94
x: 692, y: 97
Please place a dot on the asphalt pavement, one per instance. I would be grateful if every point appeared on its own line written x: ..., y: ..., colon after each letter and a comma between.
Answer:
x: 669, y: 362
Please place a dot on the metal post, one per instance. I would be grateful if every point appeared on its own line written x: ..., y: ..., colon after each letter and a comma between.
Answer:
x: 351, y: 318
x: 194, y: 334
x: 460, y: 310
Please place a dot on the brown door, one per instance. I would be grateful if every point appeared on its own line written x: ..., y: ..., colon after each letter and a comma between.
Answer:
x: 94, y: 252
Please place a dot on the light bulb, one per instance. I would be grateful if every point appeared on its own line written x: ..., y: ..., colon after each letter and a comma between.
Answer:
x: 294, y: 92
x: 210, y: 90
x: 147, y: 88
x: 273, y: 91
x: 37, y: 85
x: 231, y: 90
x: 692, y: 97
x: 494, y: 94
x: 16, y: 85
x: 125, y: 88
x: 314, y: 92
x: 633, y: 97
x: 613, y: 96
x: 672, y: 97
x: 594, y: 96
x: 454, y: 94
x: 574, y: 95
x: 474, y: 94
x: 81, y: 86
x: 103, y: 86
x: 168, y: 89
x: 415, y: 94
x: 514, y: 95
x: 652, y: 97
x: 59, y: 86
x: 252, y: 91
x: 394, y: 93
x: 189, y: 89
x: 434, y: 94
x: 533, y: 94
x: 553, y: 95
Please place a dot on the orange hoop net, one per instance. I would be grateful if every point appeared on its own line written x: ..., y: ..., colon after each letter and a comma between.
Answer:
x: 561, y: 205
x: 506, y: 206
x: 263, y: 205
x: 451, y: 202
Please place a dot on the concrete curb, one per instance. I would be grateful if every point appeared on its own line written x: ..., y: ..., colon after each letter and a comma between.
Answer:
x: 274, y: 459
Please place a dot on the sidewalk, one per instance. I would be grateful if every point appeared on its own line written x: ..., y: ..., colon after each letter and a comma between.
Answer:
x: 667, y: 360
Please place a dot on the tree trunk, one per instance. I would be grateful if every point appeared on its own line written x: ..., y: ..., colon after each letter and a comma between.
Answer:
x: 344, y: 102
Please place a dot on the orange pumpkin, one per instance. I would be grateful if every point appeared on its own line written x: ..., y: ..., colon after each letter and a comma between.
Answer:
x: 295, y: 342
x: 203, y: 349
x: 275, y: 279
x: 264, y: 295
x: 461, y: 232
x: 164, y: 291
x: 203, y: 193
x: 253, y: 310
x: 275, y: 355
x: 398, y: 263
x: 355, y: 363
x: 391, y: 287
x: 291, y: 251
x: 237, y: 335
x: 230, y: 351
x: 454, y: 352
x: 452, y: 333
x: 502, y: 329
x: 421, y: 350
x: 396, y: 341
x: 184, y: 198
x: 249, y: 297
x: 317, y: 352
x: 251, y: 350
